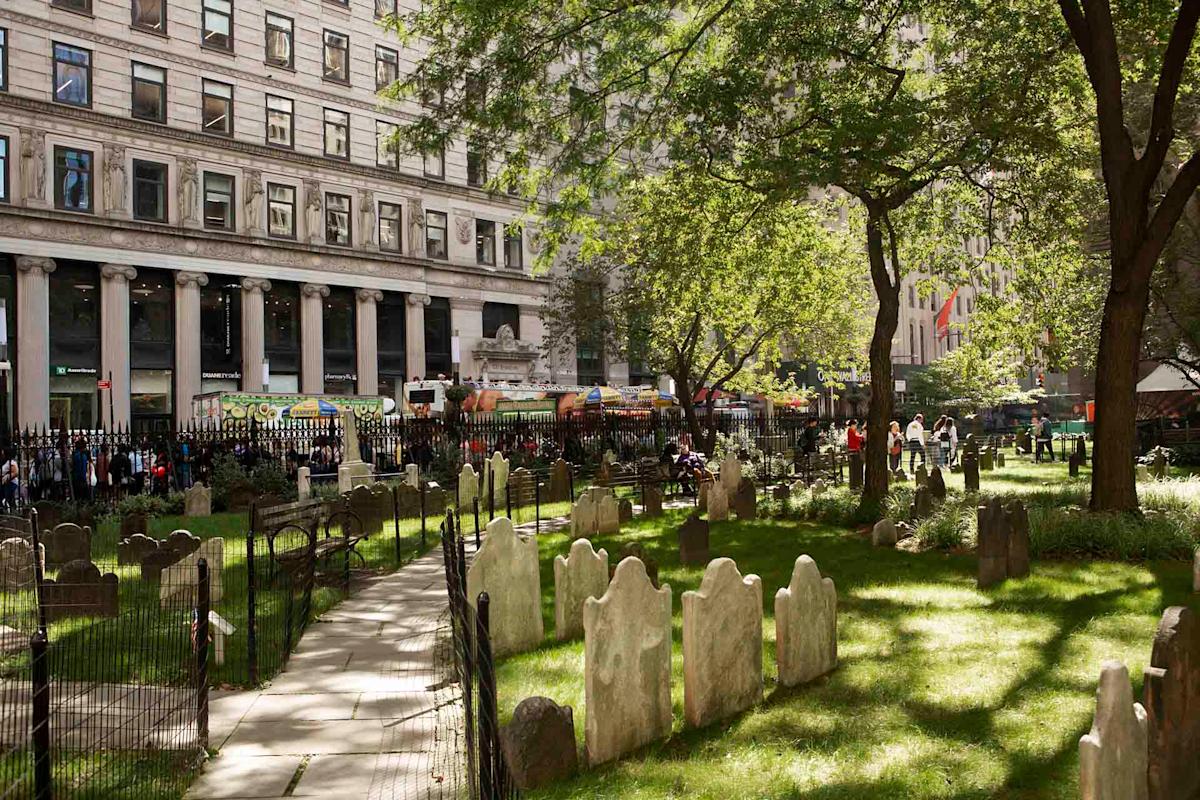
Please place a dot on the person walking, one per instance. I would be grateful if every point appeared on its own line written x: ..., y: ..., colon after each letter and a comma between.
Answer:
x: 952, y: 440
x: 853, y: 437
x: 1045, y: 438
x: 915, y: 435
x: 895, y: 444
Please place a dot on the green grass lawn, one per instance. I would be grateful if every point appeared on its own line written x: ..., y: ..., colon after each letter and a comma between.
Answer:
x: 941, y: 691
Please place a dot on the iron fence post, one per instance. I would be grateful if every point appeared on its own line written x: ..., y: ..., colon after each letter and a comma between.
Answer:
x: 203, y: 605
x: 43, y: 779
x: 537, y: 507
x: 475, y: 502
x: 396, y: 523
x: 251, y: 622
x: 489, y: 728
x: 421, y: 492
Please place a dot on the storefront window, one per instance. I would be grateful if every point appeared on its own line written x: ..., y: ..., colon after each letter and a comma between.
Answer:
x: 74, y: 344
x: 221, y: 335
x: 338, y: 323
x: 389, y: 331
x: 281, y: 307
x: 8, y: 353
x: 151, y: 343
x: 437, y: 338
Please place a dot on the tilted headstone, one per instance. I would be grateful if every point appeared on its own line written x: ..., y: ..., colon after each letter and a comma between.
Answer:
x: 884, y: 534
x: 468, y: 488
x: 583, y: 573
x: 560, y: 482
x: 1112, y: 757
x: 1171, y: 695
x: 693, y: 541
x: 970, y: 468
x: 584, y: 517
x: 131, y: 551
x: 922, y: 475
x: 627, y: 665
x: 539, y: 743
x: 722, y: 644
x: 745, y: 502
x: 718, y: 502
x: 79, y: 590
x: 608, y: 514
x: 506, y: 567
x: 937, y: 484
x: 855, y: 463
x: 412, y: 475
x: 625, y: 510
x: 654, y: 503
x: 303, y: 483
x: 730, y: 473
x: 17, y: 565
x: 179, y: 583
x: 922, y: 504
x: 136, y: 522
x: 197, y: 501
x: 805, y: 625
x: 67, y: 542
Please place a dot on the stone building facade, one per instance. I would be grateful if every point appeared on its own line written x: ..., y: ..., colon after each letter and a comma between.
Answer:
x: 202, y: 195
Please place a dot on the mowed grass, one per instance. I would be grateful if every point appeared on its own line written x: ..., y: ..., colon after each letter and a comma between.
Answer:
x: 942, y: 690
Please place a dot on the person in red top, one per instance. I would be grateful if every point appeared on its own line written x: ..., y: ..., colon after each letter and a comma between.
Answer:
x: 853, y: 437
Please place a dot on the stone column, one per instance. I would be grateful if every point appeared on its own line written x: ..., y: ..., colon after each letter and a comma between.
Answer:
x: 534, y: 332
x: 33, y: 337
x: 466, y: 322
x: 253, y: 344
x: 312, y: 338
x: 114, y: 340
x: 187, y: 341
x: 414, y: 334
x: 367, y: 343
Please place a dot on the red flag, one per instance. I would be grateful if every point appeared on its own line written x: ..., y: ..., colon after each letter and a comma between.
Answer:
x: 942, y: 322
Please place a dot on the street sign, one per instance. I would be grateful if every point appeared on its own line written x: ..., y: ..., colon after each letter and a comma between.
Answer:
x: 103, y: 384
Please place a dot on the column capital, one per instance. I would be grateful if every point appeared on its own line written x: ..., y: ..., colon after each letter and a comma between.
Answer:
x: 311, y: 289
x: 466, y: 304
x: 30, y: 263
x: 369, y: 295
x: 117, y: 272
x: 256, y: 284
x: 184, y: 278
x: 418, y: 299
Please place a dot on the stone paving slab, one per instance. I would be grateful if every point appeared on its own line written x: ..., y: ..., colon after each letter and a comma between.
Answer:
x: 261, y: 777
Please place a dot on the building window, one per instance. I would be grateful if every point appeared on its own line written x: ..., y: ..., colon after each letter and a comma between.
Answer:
x: 339, y: 331
x: 72, y: 75
x: 337, y: 220
x: 82, y: 6
x: 958, y: 304
x: 337, y: 57
x: 4, y: 182
x: 497, y: 314
x: 150, y: 15
x: 385, y: 8
x: 389, y: 227
x: 514, y: 250
x: 149, y: 191
x: 217, y: 108
x: 279, y: 121
x: 922, y: 340
x: 221, y: 334
x: 485, y: 242
x: 281, y: 335
x: 437, y: 338
x: 281, y: 211
x: 218, y: 201
x: 74, y: 327
x: 435, y: 234
x: 72, y: 179
x: 387, y: 145
x: 151, y: 343
x: 217, y: 24
x: 435, y: 164
x: 279, y: 40
x: 149, y: 93
x: 343, y: 3
x: 387, y: 67
x: 392, y: 356
x: 3, y: 60
x: 477, y: 166
x: 337, y: 133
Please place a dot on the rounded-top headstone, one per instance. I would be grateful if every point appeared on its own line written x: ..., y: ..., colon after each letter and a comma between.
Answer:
x: 539, y: 743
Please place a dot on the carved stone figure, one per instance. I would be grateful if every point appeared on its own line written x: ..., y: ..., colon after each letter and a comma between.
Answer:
x: 114, y: 179
x: 366, y: 216
x: 252, y: 202
x: 416, y: 227
x: 189, y: 191
x: 462, y: 229
x: 312, y: 210
x: 33, y: 165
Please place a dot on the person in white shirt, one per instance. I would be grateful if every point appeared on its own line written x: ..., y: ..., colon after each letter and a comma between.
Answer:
x: 915, y: 434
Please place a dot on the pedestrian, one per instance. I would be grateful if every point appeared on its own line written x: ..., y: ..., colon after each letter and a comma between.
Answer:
x: 952, y: 430
x: 81, y: 469
x: 915, y: 435
x: 1045, y: 438
x: 853, y: 437
x: 895, y: 443
x: 9, y: 481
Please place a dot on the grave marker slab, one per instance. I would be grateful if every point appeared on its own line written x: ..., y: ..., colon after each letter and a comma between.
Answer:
x: 693, y: 541
x: 180, y: 581
x: 608, y: 514
x: 197, y: 501
x: 584, y: 517
x: 67, y: 542
x: 131, y: 551
x: 884, y: 534
x: 1112, y: 757
x: 922, y: 504
x: 718, y: 502
x: 625, y: 510
x: 412, y: 475
x: 1171, y: 695
x: 654, y: 500
x: 970, y: 469
x: 468, y: 488
x: 730, y: 474
x: 560, y: 482
x: 805, y: 625
x: 921, y: 475
x: 937, y: 484
x: 539, y: 743
x: 408, y: 501
x: 80, y: 590
x: 506, y: 567
x: 583, y: 573
x: 745, y: 502
x: 17, y: 565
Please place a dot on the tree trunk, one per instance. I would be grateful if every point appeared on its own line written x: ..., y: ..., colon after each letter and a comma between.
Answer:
x: 686, y: 402
x: 879, y: 413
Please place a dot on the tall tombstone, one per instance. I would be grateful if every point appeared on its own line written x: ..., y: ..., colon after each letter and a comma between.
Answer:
x: 468, y: 488
x: 67, y: 542
x: 805, y: 625
x: 856, y: 471
x: 921, y: 476
x: 745, y: 501
x: 16, y: 564
x: 718, y: 502
x: 626, y: 665
x: 970, y: 468
x: 197, y: 501
x: 353, y: 471
x: 1073, y: 465
x: 495, y: 478
x: 992, y: 545
x: 1112, y: 757
x: 693, y: 541
x: 178, y: 583
x: 131, y: 551
x: 506, y: 567
x: 581, y: 574
x: 385, y: 504
x: 303, y: 483
x: 653, y: 506
x: 1018, y: 539
x: 731, y: 473
x: 722, y: 644
x: 560, y: 482
x: 412, y: 475
x: 1171, y: 695
x: 937, y: 484
x: 608, y: 514
x: 1081, y: 449
x: 522, y: 486
x: 584, y: 517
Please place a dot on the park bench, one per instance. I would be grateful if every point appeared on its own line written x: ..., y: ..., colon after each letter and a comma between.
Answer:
x: 308, y: 516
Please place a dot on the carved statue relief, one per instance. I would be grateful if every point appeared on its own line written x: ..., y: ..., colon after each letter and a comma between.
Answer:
x: 114, y: 179
x: 189, y: 191
x: 312, y: 210
x: 366, y: 216
x: 462, y: 227
x: 252, y: 203
x: 33, y: 165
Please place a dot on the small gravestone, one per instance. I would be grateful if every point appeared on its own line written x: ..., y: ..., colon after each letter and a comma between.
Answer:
x: 131, y: 551
x: 970, y: 468
x: 584, y: 517
x: 608, y: 514
x: 1158, y: 464
x: 80, y: 590
x: 179, y: 582
x: 495, y: 479
x: 626, y: 665
x: 197, y: 501
x: 560, y: 482
x: 921, y: 476
x: 922, y: 504
x: 884, y: 534
x: 522, y: 485
x: 999, y: 460
x: 303, y: 483
x: 361, y: 503
x: 435, y: 499
x: 65, y: 543
x: 16, y: 565
x: 506, y: 567
x: 722, y: 644
x: 155, y: 561
x: 781, y: 492
x: 1143, y: 472
x: 136, y: 522
x: 468, y: 488
x: 1081, y: 449
x: 583, y: 573
x: 937, y: 484
x: 625, y: 510
x: 635, y: 550
x: 693, y: 541
x: 1196, y: 571
x: 987, y: 459
x: 653, y: 503
x: 718, y: 502
x: 539, y: 743
x: 745, y: 502
x: 1171, y: 695
x: 1073, y: 465
x: 805, y: 625
x: 818, y: 487
x: 730, y: 474
x: 1112, y: 757
x: 1003, y: 538
x: 856, y: 471
x: 181, y: 542
x: 900, y: 476
x: 408, y: 501
x: 412, y: 475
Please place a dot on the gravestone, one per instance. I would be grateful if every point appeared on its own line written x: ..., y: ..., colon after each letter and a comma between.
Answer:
x: 718, y: 502
x: 937, y: 484
x: 987, y: 459
x: 818, y: 487
x: 1196, y: 571
x: 65, y: 543
x: 495, y: 476
x: 625, y: 510
x: 1081, y: 449
x: 584, y: 517
x: 17, y: 565
x: 805, y: 625
x: 1158, y: 464
x: 900, y: 475
x: 353, y: 471
x: 560, y: 482
x: 693, y: 541
x: 856, y: 471
x: 1003, y: 542
x: 435, y: 499
x: 49, y: 514
x: 385, y: 503
x: 884, y: 534
x: 921, y: 476
x: 1143, y: 472
x: 539, y: 743
x: 781, y: 492
x: 730, y: 473
x: 653, y: 503
x: 468, y: 489
x: 970, y: 468
x: 745, y: 502
x: 608, y: 514
x: 155, y: 561
x: 999, y: 460
x: 303, y: 483
x: 412, y: 475
x: 1073, y: 465
x: 13, y: 526
x: 197, y: 501
x: 136, y: 522
x: 922, y: 504
x: 627, y: 665
x: 702, y: 499
x: 722, y: 644
x: 361, y: 501
x: 635, y: 550
x: 1018, y: 539
x: 1112, y: 757
x: 179, y: 581
x: 181, y: 542
x: 506, y: 567
x: 581, y: 574
x: 80, y: 590
x: 131, y: 551
x: 408, y: 501
x: 522, y: 486
x: 1171, y: 695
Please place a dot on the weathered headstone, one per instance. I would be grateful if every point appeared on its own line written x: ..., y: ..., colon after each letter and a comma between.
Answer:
x: 468, y: 488
x: 805, y: 625
x: 781, y: 492
x: 539, y: 743
x: 625, y: 510
x: 1018, y: 539
x: 718, y: 502
x: 922, y: 504
x: 702, y: 500
x: 653, y: 503
x: 1081, y: 449
x: 745, y: 502
x: 818, y: 487
x: 730, y: 473
x: 922, y: 475
x: 131, y: 551
x: 408, y: 501
x: 937, y: 484
x: 1003, y: 541
x: 635, y: 550
x: 1158, y: 464
x: 987, y: 459
x: 181, y: 542
x: 1171, y: 695
x: 583, y: 573
x: 999, y: 460
x: 65, y: 543
x: 1073, y: 465
x: 179, y: 582
x: 495, y: 479
x: 856, y: 471
x: 522, y: 485
x: 197, y: 501
x: 361, y: 502
x: 1112, y: 757
x: 970, y: 468
x: 584, y: 519
x: 693, y: 541
x: 49, y: 514
x: 435, y: 499
x: 627, y: 665
x: 506, y: 567
x: 1196, y: 571
x: 80, y: 590
x: 16, y: 565
x: 135, y: 522
x: 884, y: 534
x: 722, y: 644
x: 608, y: 514
x: 303, y: 483
x: 412, y: 475
x: 560, y: 482
x: 1143, y: 472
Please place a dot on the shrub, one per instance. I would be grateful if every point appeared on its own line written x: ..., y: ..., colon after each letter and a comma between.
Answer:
x: 267, y: 477
x: 951, y: 525
x: 1072, y: 533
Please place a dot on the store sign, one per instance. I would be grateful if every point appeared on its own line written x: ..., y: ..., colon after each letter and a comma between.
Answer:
x: 103, y: 384
x: 340, y: 376
x: 221, y: 376
x: 59, y: 370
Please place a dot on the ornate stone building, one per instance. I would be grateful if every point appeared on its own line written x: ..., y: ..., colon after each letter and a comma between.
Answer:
x: 202, y: 195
